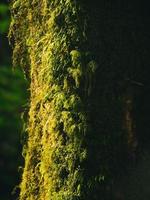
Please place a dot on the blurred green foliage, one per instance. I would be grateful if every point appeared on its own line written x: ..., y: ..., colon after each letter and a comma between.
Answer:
x: 4, y: 16
x: 12, y: 101
x: 3, y: 8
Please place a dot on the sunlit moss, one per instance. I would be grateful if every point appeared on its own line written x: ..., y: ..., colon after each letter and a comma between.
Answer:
x: 48, y: 41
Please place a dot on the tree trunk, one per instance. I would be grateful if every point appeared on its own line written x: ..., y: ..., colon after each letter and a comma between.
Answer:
x: 77, y: 56
x: 51, y: 39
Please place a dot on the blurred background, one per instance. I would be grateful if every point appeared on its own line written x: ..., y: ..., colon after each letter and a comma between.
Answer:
x: 13, y: 100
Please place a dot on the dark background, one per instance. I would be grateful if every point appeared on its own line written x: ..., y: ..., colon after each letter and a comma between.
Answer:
x: 13, y: 100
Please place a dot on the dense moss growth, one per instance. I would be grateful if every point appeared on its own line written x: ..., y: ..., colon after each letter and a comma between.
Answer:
x: 51, y: 45
x: 81, y: 60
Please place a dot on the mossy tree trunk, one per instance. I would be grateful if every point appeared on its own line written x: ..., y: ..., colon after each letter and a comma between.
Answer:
x: 75, y: 54
x: 51, y: 43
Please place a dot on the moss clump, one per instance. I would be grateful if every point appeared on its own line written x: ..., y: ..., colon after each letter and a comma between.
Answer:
x: 76, y: 142
x: 50, y: 44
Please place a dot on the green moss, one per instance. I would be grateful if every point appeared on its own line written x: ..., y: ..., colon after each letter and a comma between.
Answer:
x: 44, y: 32
x: 66, y: 156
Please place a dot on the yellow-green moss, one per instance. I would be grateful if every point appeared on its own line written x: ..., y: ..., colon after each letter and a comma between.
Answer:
x: 76, y: 142
x: 48, y: 39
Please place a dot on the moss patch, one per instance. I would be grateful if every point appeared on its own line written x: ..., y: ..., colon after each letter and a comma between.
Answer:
x: 50, y: 44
